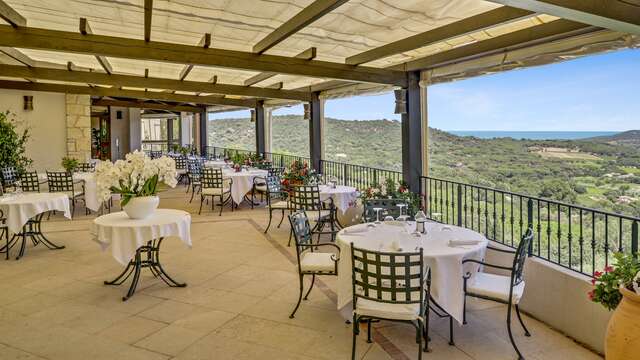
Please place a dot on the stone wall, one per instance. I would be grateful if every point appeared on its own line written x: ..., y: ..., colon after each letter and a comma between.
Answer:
x: 78, y: 109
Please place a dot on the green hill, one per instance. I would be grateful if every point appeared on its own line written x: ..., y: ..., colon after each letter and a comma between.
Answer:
x: 602, y: 173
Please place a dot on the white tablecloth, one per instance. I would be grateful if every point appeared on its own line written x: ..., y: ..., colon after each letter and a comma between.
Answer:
x: 125, y: 235
x: 90, y: 188
x: 242, y: 181
x: 445, y: 261
x: 18, y: 209
x: 343, y: 196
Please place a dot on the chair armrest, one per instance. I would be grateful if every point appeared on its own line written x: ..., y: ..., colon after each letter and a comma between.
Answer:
x: 468, y: 274
x: 508, y: 251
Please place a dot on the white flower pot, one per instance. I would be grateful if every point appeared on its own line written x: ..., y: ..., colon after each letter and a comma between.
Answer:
x: 141, y: 207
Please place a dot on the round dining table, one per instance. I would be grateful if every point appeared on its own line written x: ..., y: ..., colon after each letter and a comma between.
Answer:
x: 444, y: 248
x: 242, y: 181
x: 342, y: 196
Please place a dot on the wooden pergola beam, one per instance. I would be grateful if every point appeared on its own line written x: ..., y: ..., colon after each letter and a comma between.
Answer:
x: 617, y: 15
x: 458, y: 28
x: 308, y: 54
x: 276, y: 86
x: 11, y: 16
x: 145, y: 105
x: 148, y: 13
x: 64, y: 41
x: 555, y: 30
x: 85, y: 29
x: 18, y: 56
x: 311, y: 13
x: 117, y: 80
x: 205, y: 42
x: 115, y: 92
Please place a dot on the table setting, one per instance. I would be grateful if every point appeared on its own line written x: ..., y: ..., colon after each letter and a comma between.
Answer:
x: 444, y: 246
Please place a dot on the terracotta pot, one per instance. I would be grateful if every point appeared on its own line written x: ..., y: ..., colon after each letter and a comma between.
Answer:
x: 141, y: 207
x: 623, y: 331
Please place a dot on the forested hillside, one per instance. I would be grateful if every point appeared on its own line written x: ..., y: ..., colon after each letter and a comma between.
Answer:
x: 599, y: 172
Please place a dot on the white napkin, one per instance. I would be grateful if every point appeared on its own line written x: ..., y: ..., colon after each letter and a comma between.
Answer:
x: 463, y: 242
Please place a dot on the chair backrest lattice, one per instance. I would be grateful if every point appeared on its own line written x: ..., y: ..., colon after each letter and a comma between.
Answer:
x: 306, y: 197
x: 9, y: 176
x: 181, y: 162
x: 155, y: 154
x: 274, y: 187
x: 86, y: 167
x: 212, y: 178
x: 278, y: 170
x: 194, y: 168
x: 388, y: 277
x: 29, y: 182
x: 301, y: 231
x: 521, y: 257
x: 60, y: 181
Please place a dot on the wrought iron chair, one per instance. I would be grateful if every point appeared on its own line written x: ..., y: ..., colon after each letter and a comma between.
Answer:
x: 86, y: 167
x: 265, y: 165
x: 307, y: 197
x: 181, y: 167
x: 310, y: 262
x: 390, y: 286
x: 62, y: 181
x: 389, y: 208
x: 500, y: 288
x: 215, y: 185
x: 9, y: 177
x: 29, y: 182
x: 194, y: 176
x: 277, y: 198
x: 155, y: 154
x: 4, y: 232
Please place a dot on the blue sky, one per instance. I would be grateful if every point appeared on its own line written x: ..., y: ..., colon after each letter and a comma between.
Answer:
x: 594, y: 93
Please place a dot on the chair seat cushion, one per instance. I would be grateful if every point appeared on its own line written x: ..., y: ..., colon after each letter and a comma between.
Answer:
x: 279, y: 205
x: 318, y: 262
x: 386, y: 310
x: 181, y: 171
x: 494, y: 287
x: 261, y: 187
x: 315, y: 215
x: 214, y: 191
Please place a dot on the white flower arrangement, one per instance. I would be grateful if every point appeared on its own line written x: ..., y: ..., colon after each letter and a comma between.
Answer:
x: 136, y: 176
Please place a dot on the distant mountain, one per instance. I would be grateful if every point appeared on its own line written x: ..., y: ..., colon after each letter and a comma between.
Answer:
x: 627, y: 138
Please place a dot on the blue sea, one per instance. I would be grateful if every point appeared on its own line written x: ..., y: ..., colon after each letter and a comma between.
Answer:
x: 533, y: 135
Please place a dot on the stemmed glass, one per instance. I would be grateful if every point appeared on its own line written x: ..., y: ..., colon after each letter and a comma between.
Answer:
x: 18, y: 187
x: 401, y: 216
x: 377, y: 210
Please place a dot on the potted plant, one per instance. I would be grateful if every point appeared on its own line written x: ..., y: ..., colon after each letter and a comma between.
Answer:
x: 136, y: 180
x: 69, y: 164
x: 390, y: 189
x: 618, y: 288
x: 299, y: 173
x: 13, y: 143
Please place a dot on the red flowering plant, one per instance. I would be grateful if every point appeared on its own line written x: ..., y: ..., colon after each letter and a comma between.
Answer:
x: 607, y: 283
x: 299, y: 173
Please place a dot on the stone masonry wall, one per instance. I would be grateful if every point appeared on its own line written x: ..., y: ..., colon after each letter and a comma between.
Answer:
x: 78, y: 126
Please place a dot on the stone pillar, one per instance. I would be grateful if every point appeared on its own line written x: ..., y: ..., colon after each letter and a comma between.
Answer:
x: 78, y: 109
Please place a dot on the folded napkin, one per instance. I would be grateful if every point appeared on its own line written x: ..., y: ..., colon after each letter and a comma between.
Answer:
x: 463, y: 242
x: 356, y: 229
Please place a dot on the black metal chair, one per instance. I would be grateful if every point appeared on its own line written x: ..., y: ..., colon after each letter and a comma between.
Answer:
x: 4, y: 232
x: 9, y: 177
x: 307, y: 197
x: 215, y: 186
x: 310, y: 262
x: 500, y: 288
x: 29, y: 182
x: 86, y: 167
x: 277, y: 198
x: 155, y: 154
x: 194, y: 176
x: 390, y: 286
x: 181, y: 167
x: 389, y: 208
x: 62, y: 181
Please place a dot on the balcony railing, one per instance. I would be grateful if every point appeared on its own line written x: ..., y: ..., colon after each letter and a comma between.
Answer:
x: 572, y: 236
x: 575, y: 237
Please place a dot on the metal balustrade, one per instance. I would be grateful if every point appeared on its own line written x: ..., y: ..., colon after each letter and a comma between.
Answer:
x: 358, y: 176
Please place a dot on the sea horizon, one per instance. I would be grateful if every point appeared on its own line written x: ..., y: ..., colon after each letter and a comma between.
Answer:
x: 532, y: 135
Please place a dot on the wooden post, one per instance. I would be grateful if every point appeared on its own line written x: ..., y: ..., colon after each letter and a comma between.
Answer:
x: 260, y: 133
x: 204, y: 135
x: 315, y: 132
x: 169, y: 133
x: 412, y: 134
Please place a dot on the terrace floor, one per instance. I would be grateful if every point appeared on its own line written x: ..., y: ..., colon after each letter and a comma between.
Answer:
x: 242, y: 285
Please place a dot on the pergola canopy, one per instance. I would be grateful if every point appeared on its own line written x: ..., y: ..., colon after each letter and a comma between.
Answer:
x: 294, y: 47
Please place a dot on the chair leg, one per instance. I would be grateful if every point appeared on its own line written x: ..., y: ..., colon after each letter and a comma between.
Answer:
x: 419, y: 330
x: 290, y: 236
x: 526, y: 331
x: 369, y: 331
x: 355, y: 333
x: 451, y: 331
x: 281, y: 219
x: 464, y: 309
x: 201, y: 201
x: 221, y: 204
x: 299, y: 297
x: 513, y: 343
x: 269, y: 224
x: 313, y: 281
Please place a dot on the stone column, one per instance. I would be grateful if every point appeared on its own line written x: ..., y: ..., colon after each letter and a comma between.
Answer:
x: 78, y: 126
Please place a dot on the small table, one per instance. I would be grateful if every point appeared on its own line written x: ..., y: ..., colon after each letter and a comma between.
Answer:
x: 242, y: 181
x: 88, y: 180
x: 445, y: 260
x: 24, y: 214
x: 132, y: 239
x: 342, y: 197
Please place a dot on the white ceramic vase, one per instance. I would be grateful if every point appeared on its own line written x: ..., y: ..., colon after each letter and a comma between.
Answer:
x: 141, y: 207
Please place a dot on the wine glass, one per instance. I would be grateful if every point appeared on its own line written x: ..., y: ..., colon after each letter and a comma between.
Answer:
x: 18, y: 187
x: 401, y: 216
x: 377, y: 210
x: 389, y: 218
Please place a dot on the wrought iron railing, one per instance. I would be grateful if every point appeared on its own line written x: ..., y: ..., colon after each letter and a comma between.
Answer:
x: 357, y: 176
x: 278, y: 159
x: 572, y: 236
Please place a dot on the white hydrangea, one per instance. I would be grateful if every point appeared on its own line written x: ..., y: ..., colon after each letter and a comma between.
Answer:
x: 137, y: 168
